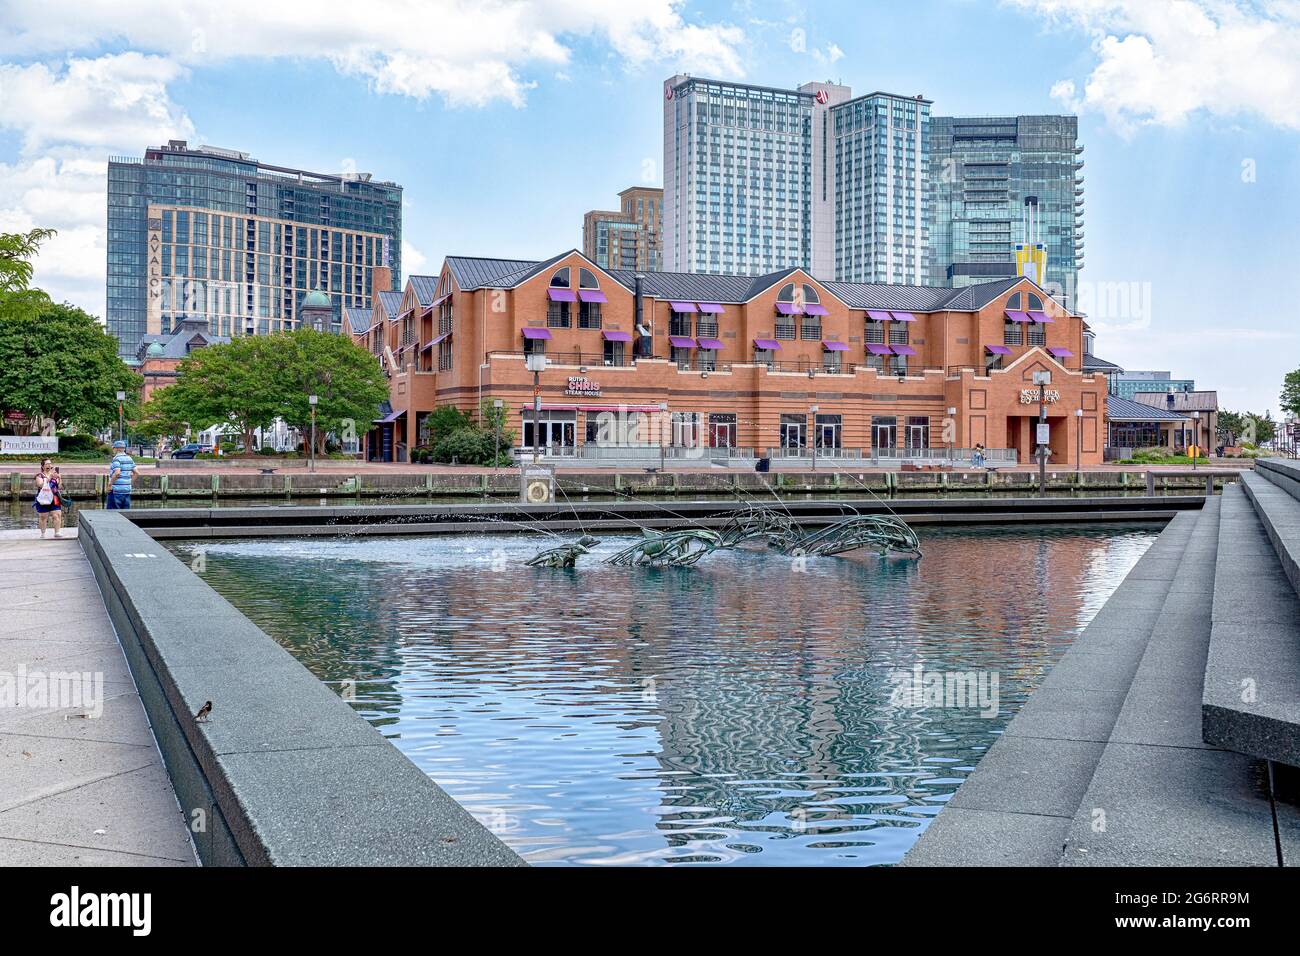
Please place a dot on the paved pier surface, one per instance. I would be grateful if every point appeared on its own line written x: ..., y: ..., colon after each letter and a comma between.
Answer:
x: 75, y: 790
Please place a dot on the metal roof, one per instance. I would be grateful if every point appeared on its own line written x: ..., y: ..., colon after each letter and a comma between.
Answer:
x: 391, y: 303
x: 1093, y: 364
x: 471, y: 273
x: 358, y: 319
x: 1205, y: 401
x: 426, y: 287
x: 1126, y: 410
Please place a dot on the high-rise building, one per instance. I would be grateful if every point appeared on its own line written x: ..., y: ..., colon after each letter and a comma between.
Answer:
x: 1006, y: 191
x: 213, y: 234
x: 758, y: 179
x: 632, y: 237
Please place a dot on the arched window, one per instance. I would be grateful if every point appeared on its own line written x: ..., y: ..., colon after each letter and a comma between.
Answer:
x: 1013, y: 303
x: 561, y: 279
x: 585, y: 280
x: 810, y: 294
x: 786, y: 294
x: 1035, y: 303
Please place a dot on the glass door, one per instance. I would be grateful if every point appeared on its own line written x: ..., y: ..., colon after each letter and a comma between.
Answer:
x: 884, y: 435
x: 793, y: 428
x: 722, y: 431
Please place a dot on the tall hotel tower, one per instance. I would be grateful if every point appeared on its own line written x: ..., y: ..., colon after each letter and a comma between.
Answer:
x: 757, y: 179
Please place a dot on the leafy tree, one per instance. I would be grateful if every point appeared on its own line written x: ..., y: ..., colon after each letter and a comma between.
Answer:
x: 233, y: 384
x: 1291, y: 392
x: 17, y: 250
x: 159, y: 418
x: 444, y: 420
x: 1231, y: 424
x: 58, y: 363
x: 345, y: 378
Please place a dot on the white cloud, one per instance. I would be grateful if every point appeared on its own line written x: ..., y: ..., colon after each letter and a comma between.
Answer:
x: 75, y: 98
x: 1161, y: 61
x: 471, y: 52
x: 108, y: 101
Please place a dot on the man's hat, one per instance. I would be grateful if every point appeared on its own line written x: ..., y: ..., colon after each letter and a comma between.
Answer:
x: 119, y: 444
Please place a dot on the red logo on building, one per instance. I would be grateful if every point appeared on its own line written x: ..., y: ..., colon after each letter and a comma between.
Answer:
x: 822, y: 96
x: 668, y: 93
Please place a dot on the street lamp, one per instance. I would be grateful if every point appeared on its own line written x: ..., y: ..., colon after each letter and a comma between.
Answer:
x: 121, y: 413
x: 1078, y: 443
x: 311, y: 400
x: 1042, y: 380
x: 812, y: 409
x: 535, y: 362
x: 496, y: 433
x: 663, y: 412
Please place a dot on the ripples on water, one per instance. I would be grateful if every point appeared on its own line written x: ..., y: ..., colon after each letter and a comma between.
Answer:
x: 737, y: 712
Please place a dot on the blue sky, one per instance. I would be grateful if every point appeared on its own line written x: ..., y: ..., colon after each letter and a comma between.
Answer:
x: 506, y: 121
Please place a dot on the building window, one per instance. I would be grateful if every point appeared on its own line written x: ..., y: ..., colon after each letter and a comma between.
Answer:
x: 707, y: 326
x: 679, y: 325
x: 1037, y: 334
x: 898, y: 364
x: 875, y: 332
x: 534, y: 346
x: 706, y: 360
x: 444, y: 355
x: 585, y: 279
x: 828, y: 432
x: 561, y: 279
x: 722, y: 430
x: 898, y: 333
x: 1011, y: 333
x: 687, y: 429
x: 764, y: 357
x: 876, y: 361
x: 614, y: 354
x: 810, y: 328
x: 682, y: 357
x: 1013, y: 303
x: 884, y: 433
x: 557, y: 315
x: 794, y: 431
x: 831, y: 361
x: 918, y: 432
x: 589, y: 315
x: 991, y: 362
x: 785, y: 330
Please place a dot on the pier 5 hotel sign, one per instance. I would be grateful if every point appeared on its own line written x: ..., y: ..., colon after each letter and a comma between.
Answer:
x: 763, y: 363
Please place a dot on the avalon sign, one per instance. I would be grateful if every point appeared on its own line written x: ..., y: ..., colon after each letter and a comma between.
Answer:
x: 28, y: 445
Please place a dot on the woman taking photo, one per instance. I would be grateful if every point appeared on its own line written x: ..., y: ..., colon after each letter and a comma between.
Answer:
x: 48, y: 504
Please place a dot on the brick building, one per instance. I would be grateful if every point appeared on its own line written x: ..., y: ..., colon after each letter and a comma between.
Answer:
x: 781, y: 361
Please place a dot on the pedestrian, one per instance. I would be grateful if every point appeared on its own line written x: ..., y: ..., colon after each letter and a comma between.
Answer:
x: 121, y: 472
x: 977, y: 457
x: 48, y: 504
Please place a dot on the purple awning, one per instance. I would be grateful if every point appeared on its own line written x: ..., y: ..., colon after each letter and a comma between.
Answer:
x: 560, y: 295
x: 710, y: 343
x: 681, y: 342
x: 1037, y: 316
x: 903, y: 316
x: 392, y: 417
x: 876, y: 348
x: 592, y: 295
x: 445, y: 335
x: 998, y: 350
x: 439, y: 301
x: 787, y: 308
x: 830, y: 346
x: 903, y: 350
x: 611, y: 336
x: 710, y: 307
x: 1017, y: 316
x: 878, y: 315
x: 426, y: 346
x: 682, y: 306
x: 1061, y: 353
x: 537, y: 333
x: 812, y: 308
x: 767, y: 345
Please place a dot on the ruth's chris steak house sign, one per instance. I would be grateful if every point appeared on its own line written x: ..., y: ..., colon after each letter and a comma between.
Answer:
x: 582, y: 387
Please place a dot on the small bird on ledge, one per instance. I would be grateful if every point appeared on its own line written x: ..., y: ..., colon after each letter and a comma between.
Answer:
x: 202, y: 715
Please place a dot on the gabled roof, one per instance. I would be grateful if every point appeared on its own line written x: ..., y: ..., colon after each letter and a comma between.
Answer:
x: 1120, y: 409
x: 358, y: 319
x: 425, y: 288
x: 1093, y: 364
x: 471, y: 273
x: 1206, y: 401
x: 189, y: 334
x: 390, y: 302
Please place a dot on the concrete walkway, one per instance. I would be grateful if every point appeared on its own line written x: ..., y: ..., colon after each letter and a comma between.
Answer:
x: 75, y: 789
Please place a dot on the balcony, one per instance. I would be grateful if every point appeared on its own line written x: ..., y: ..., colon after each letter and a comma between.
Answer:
x: 574, y: 359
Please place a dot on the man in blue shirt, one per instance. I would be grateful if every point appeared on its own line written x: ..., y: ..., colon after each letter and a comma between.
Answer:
x: 121, y: 471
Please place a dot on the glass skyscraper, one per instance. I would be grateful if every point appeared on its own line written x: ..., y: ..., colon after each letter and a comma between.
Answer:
x: 757, y: 179
x: 214, y: 234
x: 989, y: 177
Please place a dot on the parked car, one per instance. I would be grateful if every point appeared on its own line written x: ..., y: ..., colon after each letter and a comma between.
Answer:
x: 191, y: 450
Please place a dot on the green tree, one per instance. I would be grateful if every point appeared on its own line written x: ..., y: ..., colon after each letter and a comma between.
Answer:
x: 1291, y: 392
x: 1231, y: 425
x: 158, y: 418
x: 233, y: 384
x: 444, y: 420
x: 346, y: 380
x: 17, y: 250
x: 58, y: 363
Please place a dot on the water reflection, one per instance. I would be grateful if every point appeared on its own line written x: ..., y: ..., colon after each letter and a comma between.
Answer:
x: 738, y: 712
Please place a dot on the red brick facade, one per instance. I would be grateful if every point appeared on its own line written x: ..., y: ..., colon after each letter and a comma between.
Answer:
x: 483, y: 359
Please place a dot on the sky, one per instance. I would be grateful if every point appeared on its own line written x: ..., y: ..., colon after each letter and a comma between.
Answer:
x: 506, y: 120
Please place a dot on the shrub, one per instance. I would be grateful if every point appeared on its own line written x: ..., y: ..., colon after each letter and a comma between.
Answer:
x: 74, y: 444
x: 467, y: 446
